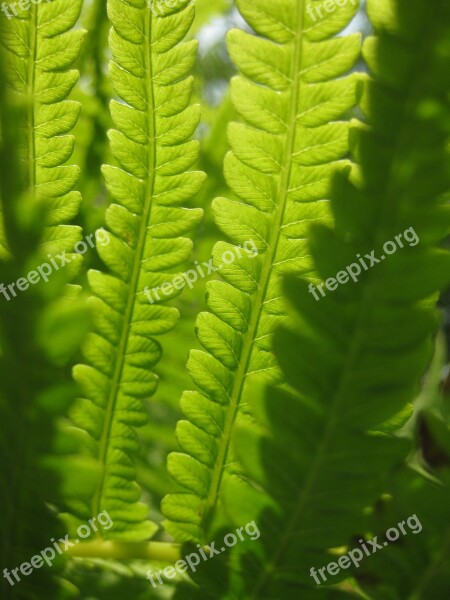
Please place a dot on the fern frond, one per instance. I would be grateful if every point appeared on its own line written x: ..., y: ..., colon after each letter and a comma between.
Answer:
x: 150, y: 72
x: 358, y: 354
x: 291, y: 96
x: 39, y: 46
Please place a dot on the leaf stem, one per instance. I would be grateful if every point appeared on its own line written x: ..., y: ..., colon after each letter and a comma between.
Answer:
x: 107, y: 549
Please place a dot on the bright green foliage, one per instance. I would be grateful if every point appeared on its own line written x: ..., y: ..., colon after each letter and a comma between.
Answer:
x: 150, y: 72
x: 283, y: 156
x: 301, y: 421
x: 357, y: 355
x: 39, y: 47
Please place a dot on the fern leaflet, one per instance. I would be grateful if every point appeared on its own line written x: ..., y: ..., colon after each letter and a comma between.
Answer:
x: 39, y: 45
x: 153, y: 119
x: 291, y: 96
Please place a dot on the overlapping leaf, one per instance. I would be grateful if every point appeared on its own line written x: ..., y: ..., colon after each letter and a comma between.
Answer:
x: 154, y: 122
x: 292, y: 98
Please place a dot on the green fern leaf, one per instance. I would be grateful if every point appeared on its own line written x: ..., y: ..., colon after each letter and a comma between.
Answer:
x: 150, y: 72
x: 291, y: 95
x: 358, y: 354
x: 39, y: 45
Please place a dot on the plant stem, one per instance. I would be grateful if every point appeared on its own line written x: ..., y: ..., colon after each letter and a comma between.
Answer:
x: 158, y: 551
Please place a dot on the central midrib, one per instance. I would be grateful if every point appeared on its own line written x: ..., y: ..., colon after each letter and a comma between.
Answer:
x: 140, y: 247
x: 258, y: 302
